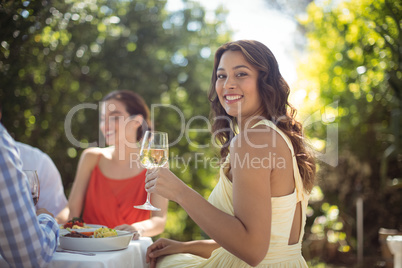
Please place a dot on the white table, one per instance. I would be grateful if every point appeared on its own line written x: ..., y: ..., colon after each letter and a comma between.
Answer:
x: 133, y: 256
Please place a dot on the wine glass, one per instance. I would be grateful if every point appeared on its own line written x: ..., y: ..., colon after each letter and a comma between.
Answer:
x: 34, y: 185
x: 153, y: 154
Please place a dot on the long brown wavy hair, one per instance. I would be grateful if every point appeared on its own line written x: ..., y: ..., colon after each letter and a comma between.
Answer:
x: 274, y: 92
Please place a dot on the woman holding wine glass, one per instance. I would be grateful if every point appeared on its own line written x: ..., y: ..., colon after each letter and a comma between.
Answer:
x: 154, y: 154
x: 110, y: 181
x: 256, y: 214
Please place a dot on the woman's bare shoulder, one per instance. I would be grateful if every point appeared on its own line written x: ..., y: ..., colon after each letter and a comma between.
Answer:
x: 259, y: 137
x: 92, y: 154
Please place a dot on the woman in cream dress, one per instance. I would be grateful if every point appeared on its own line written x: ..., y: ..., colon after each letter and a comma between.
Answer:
x: 256, y: 213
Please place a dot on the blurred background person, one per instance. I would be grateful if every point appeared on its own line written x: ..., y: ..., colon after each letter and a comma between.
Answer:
x: 110, y: 181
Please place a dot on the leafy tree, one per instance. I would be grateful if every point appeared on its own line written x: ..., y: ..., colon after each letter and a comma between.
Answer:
x: 57, y: 55
x: 355, y: 59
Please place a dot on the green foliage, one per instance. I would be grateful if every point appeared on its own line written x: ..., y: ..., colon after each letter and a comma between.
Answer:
x: 57, y: 55
x: 354, y: 57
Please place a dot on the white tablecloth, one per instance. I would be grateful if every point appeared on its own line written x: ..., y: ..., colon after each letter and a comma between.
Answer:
x: 133, y: 256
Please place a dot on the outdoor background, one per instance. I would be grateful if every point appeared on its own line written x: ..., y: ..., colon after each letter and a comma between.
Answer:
x: 347, y: 80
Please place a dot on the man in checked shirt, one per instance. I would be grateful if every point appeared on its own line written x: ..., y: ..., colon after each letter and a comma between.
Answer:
x: 28, y: 238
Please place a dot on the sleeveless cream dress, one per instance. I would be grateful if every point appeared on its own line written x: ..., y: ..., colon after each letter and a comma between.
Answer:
x: 279, y: 254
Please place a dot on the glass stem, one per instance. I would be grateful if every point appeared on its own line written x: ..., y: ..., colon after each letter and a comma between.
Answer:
x: 148, y: 198
x: 148, y: 194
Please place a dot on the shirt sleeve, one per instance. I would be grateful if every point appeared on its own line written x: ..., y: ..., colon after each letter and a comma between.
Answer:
x: 25, y: 239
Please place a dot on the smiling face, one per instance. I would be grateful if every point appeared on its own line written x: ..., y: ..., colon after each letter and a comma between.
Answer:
x: 116, y: 125
x: 237, y: 86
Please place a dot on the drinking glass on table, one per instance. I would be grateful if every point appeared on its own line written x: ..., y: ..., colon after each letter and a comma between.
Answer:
x: 153, y: 154
x: 34, y: 185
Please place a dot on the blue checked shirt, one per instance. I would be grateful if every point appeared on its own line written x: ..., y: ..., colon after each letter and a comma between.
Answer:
x: 26, y: 240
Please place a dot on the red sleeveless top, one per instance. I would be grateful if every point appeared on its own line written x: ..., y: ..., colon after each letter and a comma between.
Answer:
x: 110, y: 202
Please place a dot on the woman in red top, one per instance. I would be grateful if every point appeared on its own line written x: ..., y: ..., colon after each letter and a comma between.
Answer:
x: 111, y: 180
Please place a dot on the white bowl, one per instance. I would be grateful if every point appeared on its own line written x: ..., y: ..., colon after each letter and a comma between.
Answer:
x: 96, y: 244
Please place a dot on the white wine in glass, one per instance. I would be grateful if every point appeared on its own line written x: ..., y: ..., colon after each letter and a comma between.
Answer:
x: 154, y: 154
x: 153, y: 158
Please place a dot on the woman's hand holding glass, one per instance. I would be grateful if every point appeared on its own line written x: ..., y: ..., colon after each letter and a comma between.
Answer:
x: 165, y: 183
x: 159, y: 179
x: 154, y: 154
